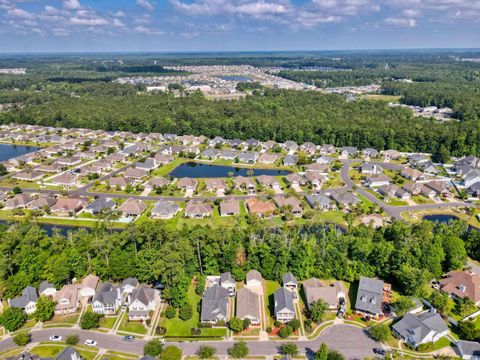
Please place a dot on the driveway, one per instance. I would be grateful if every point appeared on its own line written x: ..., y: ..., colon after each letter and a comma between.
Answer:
x: 347, y: 339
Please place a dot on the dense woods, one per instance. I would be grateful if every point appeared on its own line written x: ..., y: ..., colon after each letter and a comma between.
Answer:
x: 407, y: 255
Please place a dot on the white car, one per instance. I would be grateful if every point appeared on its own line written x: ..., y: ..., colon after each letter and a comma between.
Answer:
x: 163, y: 341
x: 91, y: 342
x: 55, y: 338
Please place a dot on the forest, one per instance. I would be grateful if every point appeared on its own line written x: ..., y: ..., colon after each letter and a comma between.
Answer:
x: 406, y: 255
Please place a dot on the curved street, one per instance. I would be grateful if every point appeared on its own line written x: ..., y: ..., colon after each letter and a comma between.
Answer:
x: 350, y: 340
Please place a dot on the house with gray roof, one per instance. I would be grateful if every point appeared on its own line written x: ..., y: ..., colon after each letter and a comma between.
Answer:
x: 99, y: 205
x: 69, y: 353
x: 348, y: 151
x: 47, y: 289
x: 107, y: 300
x: 290, y: 160
x: 248, y: 306
x: 27, y: 301
x: 289, y: 282
x: 319, y: 201
x: 227, y: 281
x: 254, y: 279
x: 345, y: 199
x: 209, y: 154
x: 164, y: 209
x: 227, y: 154
x: 229, y: 207
x: 143, y: 301
x: 369, y: 296
x: 214, y: 304
x: 284, y: 310
x: 468, y: 350
x: 420, y: 329
x: 248, y: 157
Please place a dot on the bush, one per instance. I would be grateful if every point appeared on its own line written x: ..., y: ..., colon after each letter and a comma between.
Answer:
x: 277, y: 324
x: 153, y: 348
x: 269, y: 329
x: 236, y: 325
x: 318, y: 310
x: 21, y: 339
x: 171, y: 353
x: 295, y: 324
x: 246, y: 323
x: 285, y: 331
x: 380, y: 332
x: 205, y: 325
x: 195, y: 331
x: 205, y: 352
x: 90, y: 320
x: 72, y: 340
x: 290, y: 349
x: 239, y: 350
x: 186, y: 312
x: 220, y: 323
x: 171, y: 312
x: 160, y: 330
x: 13, y: 319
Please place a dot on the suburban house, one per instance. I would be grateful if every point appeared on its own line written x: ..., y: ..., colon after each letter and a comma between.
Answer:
x: 89, y: 286
x: 468, y: 350
x: 47, y: 289
x: 328, y: 149
x: 108, y: 299
x: 371, y: 169
x: 164, y: 209
x: 227, y: 281
x: 254, y: 279
x: 284, y: 309
x: 319, y: 201
x: 248, y: 306
x: 132, y: 207
x: 269, y: 182
x: 187, y: 184
x: 290, y: 160
x: 440, y: 188
x: 391, y: 155
x: 242, y: 182
x: 295, y: 179
x: 229, y: 207
x: 248, y: 157
x: 268, y: 158
x: 318, y: 167
x: 135, y: 173
x: 66, y: 206
x: 369, y: 153
x: 43, y: 201
x: 215, y: 185
x: 214, y: 304
x: 289, y: 202
x: 413, y: 188
x: 155, y: 183
x: 128, y: 285
x: 315, y: 178
x: 426, y: 327
x: 198, y: 209
x: 68, y: 299
x: 315, y: 290
x: 66, y: 179
x: 462, y: 284
x: 119, y: 182
x: 27, y: 175
x: 262, y: 208
x: 100, y: 205
x: 289, y: 282
x: 377, y: 180
x: 69, y: 353
x: 369, y: 296
x: 412, y: 174
x: 27, y: 301
x: 143, y: 300
x: 345, y: 199
x: 19, y: 201
x: 348, y: 151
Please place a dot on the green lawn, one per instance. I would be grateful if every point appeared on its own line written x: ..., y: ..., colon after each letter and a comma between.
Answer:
x: 51, y: 351
x: 131, y: 326
x: 179, y: 328
x: 107, y: 322
x: 63, y: 319
x: 270, y: 287
x: 443, y: 342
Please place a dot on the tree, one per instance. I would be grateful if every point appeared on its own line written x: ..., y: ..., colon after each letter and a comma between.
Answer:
x: 440, y: 301
x: 205, y: 352
x: 465, y: 307
x: 17, y: 190
x: 186, y: 312
x: 90, y: 320
x: 318, y: 310
x: 72, y: 339
x: 21, y: 339
x: 45, y: 309
x: 295, y: 324
x: 402, y: 305
x: 13, y: 319
x: 322, y: 353
x: 285, y: 331
x: 468, y: 331
x: 153, y: 348
x: 171, y: 353
x: 335, y: 355
x: 246, y: 323
x: 239, y: 350
x: 171, y: 312
x: 3, y: 170
x: 290, y: 349
x: 236, y: 324
x: 380, y: 332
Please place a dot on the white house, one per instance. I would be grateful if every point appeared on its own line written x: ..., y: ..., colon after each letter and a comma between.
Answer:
x: 107, y: 300
x: 144, y: 300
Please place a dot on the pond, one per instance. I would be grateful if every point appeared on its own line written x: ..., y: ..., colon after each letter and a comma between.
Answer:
x: 197, y: 170
x: 62, y: 229
x: 440, y: 218
x: 9, y: 151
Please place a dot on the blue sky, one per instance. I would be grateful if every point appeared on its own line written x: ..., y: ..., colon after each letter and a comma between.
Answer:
x: 231, y: 25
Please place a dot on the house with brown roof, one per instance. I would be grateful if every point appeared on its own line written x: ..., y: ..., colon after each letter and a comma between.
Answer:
x: 19, y: 201
x: 198, y: 209
x: 119, y: 182
x: 377, y: 180
x: 440, y: 188
x: 289, y: 202
x: 229, y: 207
x: 28, y: 175
x: 269, y: 181
x: 43, y: 201
x: 244, y: 183
x: 66, y: 179
x: 132, y: 207
x: 248, y: 306
x: 89, y: 286
x: 314, y: 178
x: 260, y: 207
x: 215, y: 185
x: 66, y: 206
x: 186, y: 184
x: 412, y: 188
x: 295, y: 179
x: 67, y: 299
x: 316, y: 290
x: 135, y: 173
x: 268, y: 158
x: 462, y: 284
x: 158, y: 182
x: 412, y: 174
x: 321, y: 168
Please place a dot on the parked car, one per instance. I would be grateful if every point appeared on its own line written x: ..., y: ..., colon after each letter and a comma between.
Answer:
x: 231, y: 292
x: 163, y: 341
x: 128, y: 338
x: 90, y: 342
x: 380, y: 351
x: 56, y: 338
x: 341, y: 312
x: 342, y: 301
x: 124, y: 307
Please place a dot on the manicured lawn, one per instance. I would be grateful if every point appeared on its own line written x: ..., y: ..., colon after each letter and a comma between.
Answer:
x: 270, y: 287
x: 107, y: 322
x: 422, y: 200
x: 51, y: 351
x: 131, y: 326
x: 443, y: 342
x: 179, y: 328
x: 63, y: 319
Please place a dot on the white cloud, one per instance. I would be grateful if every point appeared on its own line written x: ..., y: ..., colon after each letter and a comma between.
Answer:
x: 71, y: 4
x: 146, y: 4
x: 20, y: 14
x: 94, y: 21
x: 148, y: 31
x: 118, y: 23
x: 233, y: 7
x: 398, y: 21
x: 118, y: 13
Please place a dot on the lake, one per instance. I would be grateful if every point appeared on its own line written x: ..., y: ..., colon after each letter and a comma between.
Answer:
x: 197, y: 170
x: 440, y: 218
x: 235, y: 78
x: 8, y: 151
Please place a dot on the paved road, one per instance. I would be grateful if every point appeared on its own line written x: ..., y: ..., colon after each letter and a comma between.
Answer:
x: 393, y: 211
x: 349, y: 340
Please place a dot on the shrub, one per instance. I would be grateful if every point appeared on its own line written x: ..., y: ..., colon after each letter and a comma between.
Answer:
x: 220, y: 323
x: 205, y: 352
x: 246, y: 323
x: 239, y: 350
x: 290, y: 349
x: 90, y: 320
x: 380, y: 332
x: 285, y: 331
x: 160, y: 330
x: 72, y: 339
x: 195, y: 331
x: 204, y: 325
x: 171, y: 312
x: 236, y: 324
x: 171, y: 353
x: 295, y: 324
x: 21, y: 339
x: 186, y: 312
x: 269, y: 329
x: 153, y: 348
x: 277, y: 324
